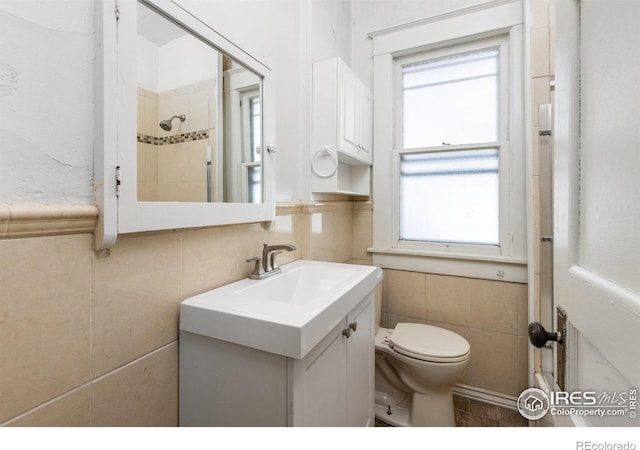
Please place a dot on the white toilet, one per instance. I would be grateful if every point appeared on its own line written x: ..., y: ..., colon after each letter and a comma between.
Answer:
x: 416, y: 366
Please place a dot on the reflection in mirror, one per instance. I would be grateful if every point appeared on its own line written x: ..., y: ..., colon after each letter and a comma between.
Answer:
x: 199, y: 119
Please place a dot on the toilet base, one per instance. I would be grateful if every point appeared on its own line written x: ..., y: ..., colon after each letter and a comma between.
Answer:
x: 399, y: 417
x: 433, y: 409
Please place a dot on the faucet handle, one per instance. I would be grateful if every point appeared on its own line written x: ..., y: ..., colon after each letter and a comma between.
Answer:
x: 272, y: 261
x: 257, y: 269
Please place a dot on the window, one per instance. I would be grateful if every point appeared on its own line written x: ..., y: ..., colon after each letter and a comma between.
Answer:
x: 255, y: 146
x: 450, y: 194
x: 452, y: 99
x: 450, y: 197
x: 449, y: 177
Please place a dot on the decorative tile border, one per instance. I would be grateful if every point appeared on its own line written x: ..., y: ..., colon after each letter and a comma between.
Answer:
x: 39, y: 220
x: 50, y: 220
x: 286, y: 208
x: 176, y: 139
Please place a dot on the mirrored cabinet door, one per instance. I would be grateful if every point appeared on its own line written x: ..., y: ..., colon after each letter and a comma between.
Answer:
x: 183, y: 117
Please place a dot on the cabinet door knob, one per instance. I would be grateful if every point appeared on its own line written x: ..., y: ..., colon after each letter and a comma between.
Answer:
x: 346, y: 332
x: 353, y: 326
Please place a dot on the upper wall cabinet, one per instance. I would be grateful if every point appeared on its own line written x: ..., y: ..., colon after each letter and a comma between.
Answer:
x: 184, y: 123
x: 342, y: 133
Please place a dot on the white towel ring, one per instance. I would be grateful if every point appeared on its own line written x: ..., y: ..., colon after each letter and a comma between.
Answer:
x: 334, y: 157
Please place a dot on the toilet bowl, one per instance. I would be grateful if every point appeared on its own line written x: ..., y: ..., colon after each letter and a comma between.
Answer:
x: 416, y: 366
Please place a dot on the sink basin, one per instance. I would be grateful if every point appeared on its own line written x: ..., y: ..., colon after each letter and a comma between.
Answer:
x: 286, y: 314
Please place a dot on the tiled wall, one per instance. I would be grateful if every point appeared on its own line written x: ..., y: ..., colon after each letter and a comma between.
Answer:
x: 172, y: 164
x: 542, y: 80
x: 491, y: 315
x: 93, y: 341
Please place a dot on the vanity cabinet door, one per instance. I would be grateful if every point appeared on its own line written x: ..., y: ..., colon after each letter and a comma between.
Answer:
x: 360, y: 365
x: 333, y: 385
x: 319, y: 384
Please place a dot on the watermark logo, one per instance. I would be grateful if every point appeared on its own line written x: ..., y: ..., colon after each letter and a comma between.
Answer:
x: 534, y: 403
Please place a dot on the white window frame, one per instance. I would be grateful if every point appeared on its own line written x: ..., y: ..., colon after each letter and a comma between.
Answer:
x: 485, y: 26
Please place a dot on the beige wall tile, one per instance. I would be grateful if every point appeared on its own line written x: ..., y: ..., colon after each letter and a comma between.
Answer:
x: 462, y: 331
x: 494, y: 305
x: 494, y: 362
x: 331, y: 236
x: 136, y: 296
x: 362, y: 262
x: 69, y: 410
x: 209, y: 259
x: 141, y: 394
x: 540, y: 96
x: 539, y: 52
x: 448, y: 299
x: 540, y: 12
x: 406, y: 293
x: 522, y: 307
x: 523, y: 363
x: 362, y: 233
x: 198, y: 114
x: 395, y: 319
x: 287, y: 229
x: 44, y: 319
x: 552, y: 39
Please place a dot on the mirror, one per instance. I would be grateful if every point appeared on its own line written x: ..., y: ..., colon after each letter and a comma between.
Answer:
x: 199, y: 118
x: 212, y: 161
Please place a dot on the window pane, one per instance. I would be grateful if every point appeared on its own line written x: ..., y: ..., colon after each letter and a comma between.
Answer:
x: 450, y: 197
x: 452, y: 100
x: 256, y: 132
x: 255, y: 193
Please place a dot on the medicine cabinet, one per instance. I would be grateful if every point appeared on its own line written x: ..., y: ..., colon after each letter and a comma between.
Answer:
x: 342, y: 130
x: 184, y: 123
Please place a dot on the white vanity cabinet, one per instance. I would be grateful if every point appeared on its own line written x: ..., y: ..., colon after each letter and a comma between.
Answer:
x: 342, y: 130
x: 226, y: 384
x: 333, y: 385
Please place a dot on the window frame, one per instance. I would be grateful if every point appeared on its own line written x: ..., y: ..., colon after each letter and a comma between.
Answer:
x: 484, y: 26
x: 502, y: 145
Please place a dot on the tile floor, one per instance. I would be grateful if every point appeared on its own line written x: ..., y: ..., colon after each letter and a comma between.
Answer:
x: 472, y: 413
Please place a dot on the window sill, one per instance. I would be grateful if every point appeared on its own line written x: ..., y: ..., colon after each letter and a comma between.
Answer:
x: 489, y: 267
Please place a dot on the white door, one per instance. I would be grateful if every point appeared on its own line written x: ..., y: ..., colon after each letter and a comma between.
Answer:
x: 597, y: 196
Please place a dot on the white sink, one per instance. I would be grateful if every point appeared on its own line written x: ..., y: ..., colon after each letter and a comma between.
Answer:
x: 288, y: 313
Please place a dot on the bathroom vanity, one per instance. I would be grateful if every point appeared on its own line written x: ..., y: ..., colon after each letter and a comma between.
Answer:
x: 296, y: 349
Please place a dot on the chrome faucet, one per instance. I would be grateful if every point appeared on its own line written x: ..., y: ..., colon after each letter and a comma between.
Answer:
x: 267, y: 265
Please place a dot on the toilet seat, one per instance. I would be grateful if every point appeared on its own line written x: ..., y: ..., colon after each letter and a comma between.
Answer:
x: 428, y: 343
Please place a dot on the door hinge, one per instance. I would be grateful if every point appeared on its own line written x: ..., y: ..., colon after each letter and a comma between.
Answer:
x: 546, y: 238
x: 116, y: 11
x: 117, y: 181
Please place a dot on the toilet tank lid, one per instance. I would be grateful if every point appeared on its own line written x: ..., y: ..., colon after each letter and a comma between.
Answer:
x: 428, y: 341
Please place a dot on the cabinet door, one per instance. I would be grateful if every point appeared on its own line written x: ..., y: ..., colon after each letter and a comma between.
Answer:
x: 360, y: 364
x: 365, y: 126
x: 319, y: 384
x: 348, y: 113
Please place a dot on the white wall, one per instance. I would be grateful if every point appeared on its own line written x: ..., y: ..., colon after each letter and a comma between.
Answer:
x: 46, y: 87
x: 374, y: 15
x: 46, y: 80
x: 46, y: 102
